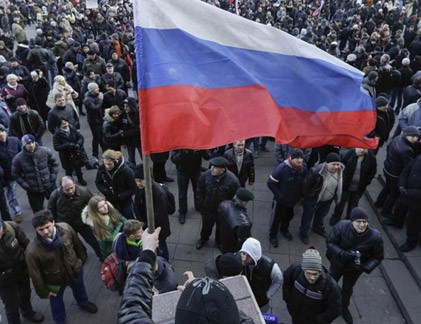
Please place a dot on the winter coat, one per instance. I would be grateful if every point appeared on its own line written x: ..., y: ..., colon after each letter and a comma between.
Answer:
x: 314, y: 183
x: 212, y: 190
x: 189, y: 161
x: 385, y: 119
x: 57, y: 112
x: 131, y: 133
x: 247, y: 166
x: 12, y: 254
x: 47, y: 266
x: 286, y: 183
x: 343, y: 237
x: 97, y: 65
x: 37, y: 171
x: 318, y: 303
x: 368, y: 169
x: 112, y: 132
x: 105, y: 245
x: 8, y: 150
x: 410, y: 115
x: 19, y: 92
x: 121, y: 67
x: 94, y: 111
x: 38, y: 96
x: 234, y: 225
x: 410, y: 179
x: 17, y: 124
x: 399, y: 154
x: 159, y: 197
x: 68, y: 209
x: 116, y: 77
x: 116, y: 99
x: 69, y: 146
x: 117, y: 186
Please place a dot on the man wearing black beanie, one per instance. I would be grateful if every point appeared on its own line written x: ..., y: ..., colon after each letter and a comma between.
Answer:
x: 353, y: 247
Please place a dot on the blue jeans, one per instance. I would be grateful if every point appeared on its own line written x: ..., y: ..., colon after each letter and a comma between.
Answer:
x: 183, y: 179
x: 57, y: 304
x: 10, y: 189
x: 319, y: 211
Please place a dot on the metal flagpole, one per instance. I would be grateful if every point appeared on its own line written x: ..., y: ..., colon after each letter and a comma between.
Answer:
x: 147, y: 163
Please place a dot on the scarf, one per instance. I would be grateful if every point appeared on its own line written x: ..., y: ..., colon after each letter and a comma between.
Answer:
x: 52, y: 244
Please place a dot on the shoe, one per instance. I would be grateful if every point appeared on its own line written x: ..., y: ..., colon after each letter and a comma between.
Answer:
x: 35, y: 317
x: 406, y: 247
x: 168, y: 179
x: 391, y: 222
x: 287, y: 234
x: 18, y: 218
x: 321, y: 232
x: 346, y: 315
x: 82, y: 182
x: 333, y: 221
x: 274, y: 242
x: 304, y: 239
x: 181, y: 218
x: 90, y: 308
x: 200, y: 244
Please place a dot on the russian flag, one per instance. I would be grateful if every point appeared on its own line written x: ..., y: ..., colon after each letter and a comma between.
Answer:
x: 208, y: 77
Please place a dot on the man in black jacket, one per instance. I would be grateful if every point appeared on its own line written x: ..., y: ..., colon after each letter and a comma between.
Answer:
x: 410, y: 194
x: 215, y: 185
x: 310, y: 292
x: 188, y: 164
x: 95, y: 113
x: 26, y: 121
x: 15, y: 289
x: 160, y: 208
x: 62, y: 109
x: 360, y: 169
x: 115, y: 180
x: 353, y: 248
x: 241, y: 162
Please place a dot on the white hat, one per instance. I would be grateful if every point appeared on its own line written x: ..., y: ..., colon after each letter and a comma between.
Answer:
x: 252, y: 247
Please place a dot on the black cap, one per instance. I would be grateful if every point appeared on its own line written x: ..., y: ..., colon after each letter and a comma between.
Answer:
x: 296, y: 153
x: 139, y: 172
x: 411, y: 131
x: 219, y: 162
x: 244, y: 194
x: 109, y: 65
x: 228, y: 265
x: 91, y: 52
x: 358, y: 213
x: 333, y: 157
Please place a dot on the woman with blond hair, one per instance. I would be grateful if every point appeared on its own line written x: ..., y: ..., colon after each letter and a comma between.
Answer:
x: 61, y: 86
x: 105, y: 221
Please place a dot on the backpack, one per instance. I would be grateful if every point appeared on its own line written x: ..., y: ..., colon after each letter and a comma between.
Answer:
x: 113, y: 274
x: 170, y: 199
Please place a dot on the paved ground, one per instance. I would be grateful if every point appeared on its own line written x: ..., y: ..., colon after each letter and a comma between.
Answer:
x: 372, y: 301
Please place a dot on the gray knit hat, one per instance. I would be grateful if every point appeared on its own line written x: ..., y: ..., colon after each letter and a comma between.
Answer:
x: 311, y: 260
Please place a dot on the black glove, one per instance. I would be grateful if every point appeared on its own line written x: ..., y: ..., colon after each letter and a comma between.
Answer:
x: 348, y: 255
x: 403, y: 192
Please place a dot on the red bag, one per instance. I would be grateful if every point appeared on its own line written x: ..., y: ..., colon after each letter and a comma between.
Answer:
x: 113, y: 274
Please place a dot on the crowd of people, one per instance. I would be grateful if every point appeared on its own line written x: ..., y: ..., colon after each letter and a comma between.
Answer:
x: 81, y: 64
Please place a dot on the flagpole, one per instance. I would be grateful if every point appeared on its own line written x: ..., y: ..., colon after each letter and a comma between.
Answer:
x: 147, y: 166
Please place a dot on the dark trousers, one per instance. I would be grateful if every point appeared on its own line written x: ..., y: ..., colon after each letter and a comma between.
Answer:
x: 96, y: 130
x: 36, y: 200
x: 86, y: 232
x: 352, y: 197
x: 58, y: 309
x: 131, y: 153
x: 348, y: 283
x: 17, y: 296
x: 163, y: 249
x: 159, y: 173
x: 282, y: 217
x: 389, y: 194
x: 126, y: 210
x: 208, y: 220
x: 183, y: 179
x: 413, y: 226
x: 319, y: 211
x: 4, y: 208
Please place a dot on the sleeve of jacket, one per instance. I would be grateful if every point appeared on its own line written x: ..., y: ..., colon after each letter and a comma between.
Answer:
x: 17, y: 173
x: 20, y: 235
x: 333, y: 240
x: 52, y: 122
x: 136, y: 303
x: 53, y: 166
x: 288, y: 284
x: 277, y: 279
x: 80, y: 249
x: 273, y: 182
x: 102, y: 185
x: 251, y: 174
x: 60, y: 145
x: 377, y: 254
x: 40, y: 130
x: 131, y: 185
x: 52, y: 203
x: 333, y: 304
x: 34, y: 268
x: 201, y: 192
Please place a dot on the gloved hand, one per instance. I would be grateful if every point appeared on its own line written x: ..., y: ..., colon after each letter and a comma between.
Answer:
x: 348, y: 254
x: 403, y: 192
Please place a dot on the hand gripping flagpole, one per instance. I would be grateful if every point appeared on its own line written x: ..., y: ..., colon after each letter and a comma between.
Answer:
x: 148, y: 193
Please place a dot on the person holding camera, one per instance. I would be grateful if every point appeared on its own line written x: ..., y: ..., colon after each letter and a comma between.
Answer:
x: 353, y: 247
